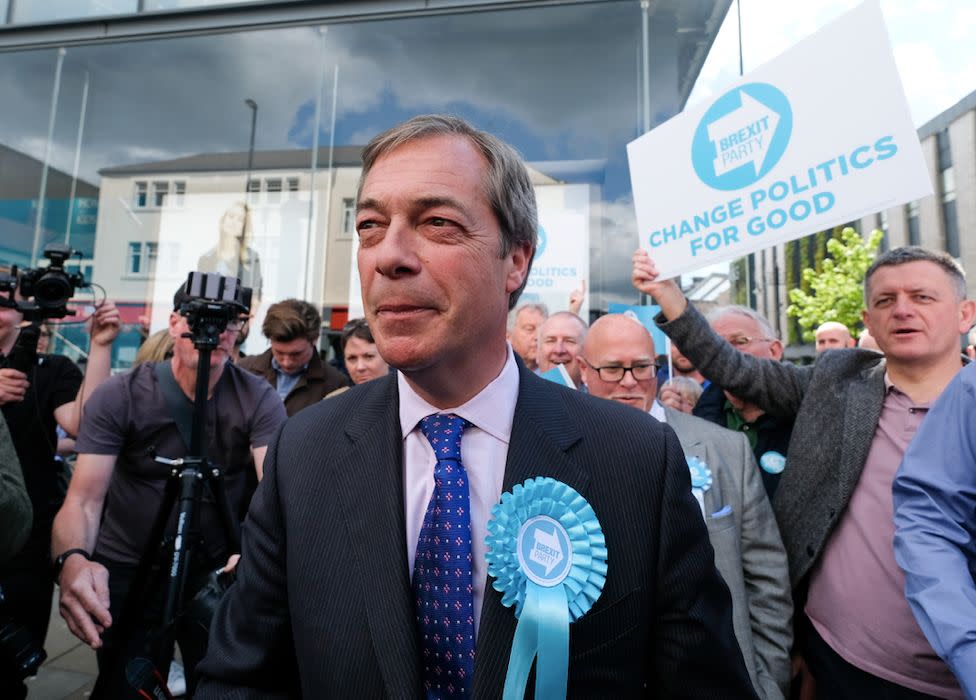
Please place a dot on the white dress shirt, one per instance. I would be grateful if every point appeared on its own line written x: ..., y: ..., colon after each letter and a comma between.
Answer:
x: 484, y: 450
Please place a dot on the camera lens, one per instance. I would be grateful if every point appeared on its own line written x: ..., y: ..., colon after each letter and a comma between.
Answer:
x: 52, y: 290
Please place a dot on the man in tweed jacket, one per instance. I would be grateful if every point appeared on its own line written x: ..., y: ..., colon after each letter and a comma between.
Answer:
x: 855, y: 412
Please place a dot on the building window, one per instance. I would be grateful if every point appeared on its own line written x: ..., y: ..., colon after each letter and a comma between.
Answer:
x: 950, y: 223
x: 253, y: 189
x: 179, y: 193
x: 134, y: 261
x: 273, y: 187
x: 141, y: 261
x: 914, y: 237
x: 883, y: 224
x: 293, y: 184
x: 348, y: 216
x: 141, y: 196
x: 160, y: 193
x: 151, y: 250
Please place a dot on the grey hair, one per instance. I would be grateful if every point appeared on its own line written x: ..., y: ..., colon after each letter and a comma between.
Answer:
x: 914, y: 253
x: 684, y: 384
x: 584, y: 328
x: 528, y: 306
x: 735, y: 309
x: 508, y: 187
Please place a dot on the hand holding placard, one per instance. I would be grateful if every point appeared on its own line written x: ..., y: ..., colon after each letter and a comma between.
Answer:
x: 666, y: 293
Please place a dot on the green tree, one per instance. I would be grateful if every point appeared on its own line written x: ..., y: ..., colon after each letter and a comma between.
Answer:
x: 836, y: 289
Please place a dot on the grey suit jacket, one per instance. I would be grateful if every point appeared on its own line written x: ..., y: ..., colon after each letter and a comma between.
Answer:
x: 837, y: 403
x: 748, y: 550
x: 323, y: 607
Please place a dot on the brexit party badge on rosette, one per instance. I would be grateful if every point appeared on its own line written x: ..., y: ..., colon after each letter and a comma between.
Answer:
x: 548, y: 557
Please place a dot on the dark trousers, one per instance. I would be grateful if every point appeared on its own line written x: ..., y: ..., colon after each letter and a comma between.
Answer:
x: 146, y: 628
x: 28, y: 589
x: 839, y: 680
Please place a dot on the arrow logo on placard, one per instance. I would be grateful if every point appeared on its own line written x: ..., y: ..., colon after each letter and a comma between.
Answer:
x: 743, y: 135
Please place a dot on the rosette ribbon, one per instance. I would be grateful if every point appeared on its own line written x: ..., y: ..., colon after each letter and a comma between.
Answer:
x: 548, y: 557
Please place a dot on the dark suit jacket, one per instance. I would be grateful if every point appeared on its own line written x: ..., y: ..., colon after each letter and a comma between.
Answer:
x: 323, y: 585
x: 837, y: 403
x: 320, y: 379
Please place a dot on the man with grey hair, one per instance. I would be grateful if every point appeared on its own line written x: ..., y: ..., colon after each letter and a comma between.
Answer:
x: 341, y: 582
x: 856, y: 413
x: 523, y: 331
x: 768, y: 434
x: 560, y: 341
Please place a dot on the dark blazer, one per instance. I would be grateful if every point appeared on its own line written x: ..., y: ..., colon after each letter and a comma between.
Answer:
x: 320, y: 379
x: 323, y: 585
x: 837, y: 403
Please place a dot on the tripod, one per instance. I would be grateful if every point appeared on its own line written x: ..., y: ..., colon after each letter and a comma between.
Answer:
x: 184, y: 488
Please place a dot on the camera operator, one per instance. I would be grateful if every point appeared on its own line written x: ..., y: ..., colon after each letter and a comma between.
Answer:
x: 103, y: 529
x: 52, y: 393
x: 15, y: 505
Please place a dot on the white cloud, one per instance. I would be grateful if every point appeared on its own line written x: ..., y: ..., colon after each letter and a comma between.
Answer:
x: 934, y: 43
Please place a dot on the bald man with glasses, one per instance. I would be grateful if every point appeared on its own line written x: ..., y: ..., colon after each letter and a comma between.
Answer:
x: 617, y: 363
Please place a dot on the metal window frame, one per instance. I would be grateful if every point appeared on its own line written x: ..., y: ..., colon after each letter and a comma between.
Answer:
x: 162, y: 24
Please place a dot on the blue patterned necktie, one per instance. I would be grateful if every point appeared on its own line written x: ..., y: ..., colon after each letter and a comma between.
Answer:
x: 442, y: 569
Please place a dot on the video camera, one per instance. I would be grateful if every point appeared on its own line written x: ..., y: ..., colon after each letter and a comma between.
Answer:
x: 44, y: 292
x: 209, y: 302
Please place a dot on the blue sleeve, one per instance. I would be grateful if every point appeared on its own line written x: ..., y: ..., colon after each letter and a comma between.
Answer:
x: 935, y: 538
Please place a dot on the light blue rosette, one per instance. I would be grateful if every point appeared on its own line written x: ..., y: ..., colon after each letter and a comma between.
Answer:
x: 548, y: 557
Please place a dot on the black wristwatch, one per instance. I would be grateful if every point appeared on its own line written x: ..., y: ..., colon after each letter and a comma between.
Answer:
x: 59, y: 562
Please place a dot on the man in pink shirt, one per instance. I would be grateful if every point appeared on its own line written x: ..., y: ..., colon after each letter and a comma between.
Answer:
x: 856, y: 411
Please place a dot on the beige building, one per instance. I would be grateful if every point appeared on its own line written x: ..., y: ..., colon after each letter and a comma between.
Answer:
x: 945, y: 220
x: 148, y: 212
x: 157, y: 220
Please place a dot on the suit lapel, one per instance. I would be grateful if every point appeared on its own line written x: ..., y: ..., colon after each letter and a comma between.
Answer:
x: 865, y: 398
x: 692, y: 444
x: 372, y: 485
x: 542, y: 434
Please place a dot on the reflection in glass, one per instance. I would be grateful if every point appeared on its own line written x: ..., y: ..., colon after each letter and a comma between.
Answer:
x: 233, y: 255
x: 51, y: 10
x: 165, y: 148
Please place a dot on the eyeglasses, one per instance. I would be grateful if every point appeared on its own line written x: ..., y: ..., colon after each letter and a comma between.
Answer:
x: 237, y: 324
x: 615, y: 373
x: 740, y: 341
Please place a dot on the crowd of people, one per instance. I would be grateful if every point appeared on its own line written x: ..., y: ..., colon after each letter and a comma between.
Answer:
x: 773, y: 530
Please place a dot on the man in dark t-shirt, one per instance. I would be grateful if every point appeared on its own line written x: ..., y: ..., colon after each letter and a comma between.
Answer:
x: 51, y: 393
x: 117, y: 489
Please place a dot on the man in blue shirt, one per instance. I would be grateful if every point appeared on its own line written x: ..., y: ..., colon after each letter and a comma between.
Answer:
x: 935, y: 538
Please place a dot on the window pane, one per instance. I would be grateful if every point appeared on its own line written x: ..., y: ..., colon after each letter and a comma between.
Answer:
x: 160, y: 190
x: 165, y: 145
x: 141, y: 196
x: 48, y: 10
x: 348, y: 216
x: 135, y: 258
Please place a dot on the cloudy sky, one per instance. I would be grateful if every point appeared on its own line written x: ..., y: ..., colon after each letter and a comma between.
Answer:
x: 934, y: 43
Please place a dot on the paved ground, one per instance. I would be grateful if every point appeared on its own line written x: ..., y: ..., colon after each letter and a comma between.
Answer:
x: 69, y: 672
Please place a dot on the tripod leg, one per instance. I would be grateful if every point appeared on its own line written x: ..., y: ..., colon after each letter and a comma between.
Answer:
x: 113, y: 666
x: 231, y: 525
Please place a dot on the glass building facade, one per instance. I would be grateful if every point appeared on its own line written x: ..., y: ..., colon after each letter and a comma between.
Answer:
x: 135, y: 130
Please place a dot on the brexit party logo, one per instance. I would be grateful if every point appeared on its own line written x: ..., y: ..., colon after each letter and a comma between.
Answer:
x: 544, y: 551
x: 543, y: 239
x: 742, y: 136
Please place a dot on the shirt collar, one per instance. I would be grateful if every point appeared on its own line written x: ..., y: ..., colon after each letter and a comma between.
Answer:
x: 491, y: 410
x: 657, y: 411
x: 277, y: 368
